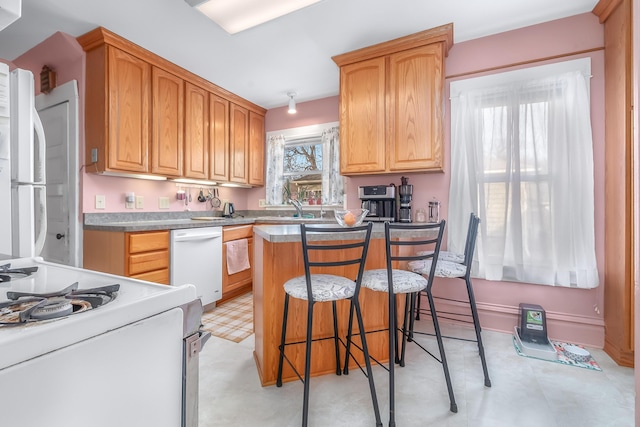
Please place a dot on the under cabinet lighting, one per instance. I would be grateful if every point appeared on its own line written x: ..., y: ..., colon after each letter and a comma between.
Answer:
x: 238, y: 15
x: 193, y: 181
x: 134, y: 175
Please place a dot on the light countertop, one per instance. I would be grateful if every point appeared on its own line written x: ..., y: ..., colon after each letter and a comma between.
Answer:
x: 282, y: 233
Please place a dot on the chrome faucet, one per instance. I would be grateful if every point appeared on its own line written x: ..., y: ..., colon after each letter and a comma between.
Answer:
x: 296, y: 204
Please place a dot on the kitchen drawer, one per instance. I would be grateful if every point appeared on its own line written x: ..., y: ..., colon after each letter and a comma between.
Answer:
x: 145, y: 242
x: 140, y: 263
x: 235, y: 233
x: 158, y: 276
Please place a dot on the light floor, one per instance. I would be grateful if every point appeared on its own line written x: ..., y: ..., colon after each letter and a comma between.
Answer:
x: 525, y: 392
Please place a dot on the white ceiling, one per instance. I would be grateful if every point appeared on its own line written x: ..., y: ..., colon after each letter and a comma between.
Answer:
x: 289, y: 54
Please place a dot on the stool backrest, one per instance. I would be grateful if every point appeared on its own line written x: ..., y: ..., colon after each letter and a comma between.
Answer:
x: 470, y: 245
x: 349, y: 245
x: 409, y: 236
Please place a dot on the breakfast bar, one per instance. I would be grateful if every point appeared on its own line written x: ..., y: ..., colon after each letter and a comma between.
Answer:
x: 277, y: 258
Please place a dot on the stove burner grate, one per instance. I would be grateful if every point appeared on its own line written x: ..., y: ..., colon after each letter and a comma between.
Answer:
x: 24, y: 307
x: 8, y: 274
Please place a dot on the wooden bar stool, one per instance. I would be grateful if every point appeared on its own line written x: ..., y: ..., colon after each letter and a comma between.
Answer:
x: 352, y: 247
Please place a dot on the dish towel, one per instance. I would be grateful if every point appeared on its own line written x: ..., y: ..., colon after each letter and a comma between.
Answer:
x: 237, y: 256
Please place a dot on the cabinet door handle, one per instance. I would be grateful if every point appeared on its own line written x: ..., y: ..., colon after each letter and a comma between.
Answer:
x: 59, y: 236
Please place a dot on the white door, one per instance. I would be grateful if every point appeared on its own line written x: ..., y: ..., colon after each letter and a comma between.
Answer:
x: 59, y: 114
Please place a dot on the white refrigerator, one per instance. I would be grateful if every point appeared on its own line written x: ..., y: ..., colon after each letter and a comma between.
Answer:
x: 23, y: 216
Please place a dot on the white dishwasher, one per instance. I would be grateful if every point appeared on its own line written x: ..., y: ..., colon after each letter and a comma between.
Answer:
x: 196, y: 258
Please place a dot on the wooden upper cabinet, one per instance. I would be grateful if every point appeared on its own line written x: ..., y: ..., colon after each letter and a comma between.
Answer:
x: 238, y: 144
x: 196, y: 147
x: 168, y: 123
x: 256, y: 149
x: 391, y: 104
x: 218, y: 138
x: 129, y: 102
x: 140, y: 117
x: 362, y: 113
x: 415, y: 114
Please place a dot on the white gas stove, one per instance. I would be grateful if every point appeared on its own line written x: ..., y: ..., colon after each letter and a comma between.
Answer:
x: 119, y: 341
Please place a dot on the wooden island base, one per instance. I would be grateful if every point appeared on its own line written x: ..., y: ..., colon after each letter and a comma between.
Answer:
x: 275, y: 263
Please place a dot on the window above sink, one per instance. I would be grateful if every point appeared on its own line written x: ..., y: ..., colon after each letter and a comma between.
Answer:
x: 303, y: 164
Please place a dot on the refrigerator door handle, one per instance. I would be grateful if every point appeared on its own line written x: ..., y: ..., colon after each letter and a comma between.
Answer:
x: 40, y: 178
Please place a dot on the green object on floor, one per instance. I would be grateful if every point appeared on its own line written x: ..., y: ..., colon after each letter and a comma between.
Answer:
x: 562, y: 358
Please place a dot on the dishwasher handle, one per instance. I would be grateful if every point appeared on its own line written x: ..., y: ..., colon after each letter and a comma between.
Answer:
x: 188, y: 237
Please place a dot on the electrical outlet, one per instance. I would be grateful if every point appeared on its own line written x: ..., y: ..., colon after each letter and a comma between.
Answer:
x: 139, y: 202
x: 100, y: 202
x: 163, y: 203
x: 262, y: 203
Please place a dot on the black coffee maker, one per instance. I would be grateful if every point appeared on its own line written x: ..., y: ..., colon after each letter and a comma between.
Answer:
x: 406, y: 192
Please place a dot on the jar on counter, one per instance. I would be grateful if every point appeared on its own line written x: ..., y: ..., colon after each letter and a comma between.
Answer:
x: 421, y: 215
x: 434, y: 210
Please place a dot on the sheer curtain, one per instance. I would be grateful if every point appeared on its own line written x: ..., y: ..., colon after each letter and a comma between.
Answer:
x: 332, y: 182
x: 275, y: 170
x: 522, y: 158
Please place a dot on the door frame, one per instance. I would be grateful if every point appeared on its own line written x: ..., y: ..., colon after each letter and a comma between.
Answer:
x: 68, y: 93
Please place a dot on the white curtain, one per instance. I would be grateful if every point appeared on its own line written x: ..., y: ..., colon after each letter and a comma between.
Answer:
x: 332, y: 182
x: 275, y: 170
x: 522, y: 158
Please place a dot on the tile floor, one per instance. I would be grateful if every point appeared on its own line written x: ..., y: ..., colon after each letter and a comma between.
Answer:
x: 525, y: 392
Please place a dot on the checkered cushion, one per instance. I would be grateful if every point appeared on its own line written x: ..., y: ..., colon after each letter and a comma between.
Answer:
x: 403, y: 281
x: 443, y: 268
x: 325, y: 287
x: 445, y: 256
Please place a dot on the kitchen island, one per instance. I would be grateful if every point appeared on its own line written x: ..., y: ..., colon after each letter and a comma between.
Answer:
x: 277, y: 258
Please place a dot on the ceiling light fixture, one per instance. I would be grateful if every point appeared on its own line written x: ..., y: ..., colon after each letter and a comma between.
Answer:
x: 238, y: 15
x: 292, y: 103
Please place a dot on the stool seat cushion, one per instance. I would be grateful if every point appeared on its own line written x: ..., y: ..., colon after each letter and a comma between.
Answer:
x: 443, y: 268
x: 445, y: 256
x: 403, y: 281
x: 325, y: 287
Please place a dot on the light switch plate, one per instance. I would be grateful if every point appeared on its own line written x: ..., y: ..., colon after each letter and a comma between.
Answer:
x: 100, y: 202
x: 163, y: 203
x: 139, y: 202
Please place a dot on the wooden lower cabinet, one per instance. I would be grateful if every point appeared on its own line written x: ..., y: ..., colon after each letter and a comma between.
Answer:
x: 241, y: 282
x: 140, y: 255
